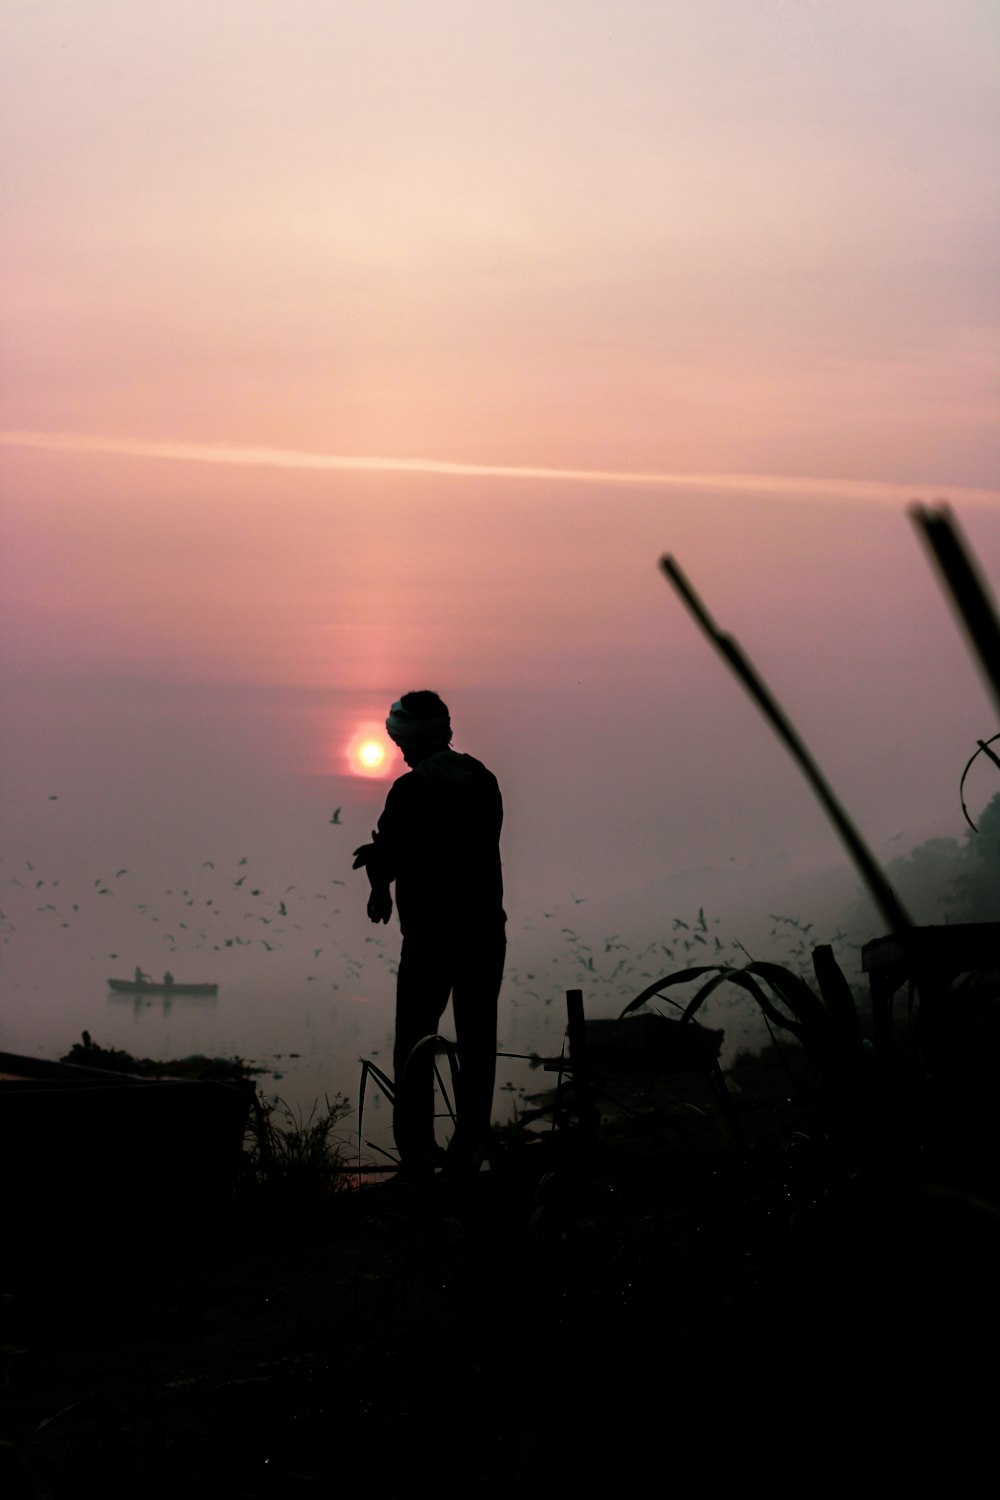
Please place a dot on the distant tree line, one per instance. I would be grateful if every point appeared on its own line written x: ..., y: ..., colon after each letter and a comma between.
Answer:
x: 943, y: 880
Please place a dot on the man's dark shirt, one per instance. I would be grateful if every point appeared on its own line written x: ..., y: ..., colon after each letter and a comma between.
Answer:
x: 439, y: 839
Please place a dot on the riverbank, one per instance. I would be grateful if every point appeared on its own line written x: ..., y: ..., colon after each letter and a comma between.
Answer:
x: 648, y: 1305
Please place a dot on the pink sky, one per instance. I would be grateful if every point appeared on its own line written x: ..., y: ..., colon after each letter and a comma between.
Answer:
x: 350, y: 348
x: 626, y: 236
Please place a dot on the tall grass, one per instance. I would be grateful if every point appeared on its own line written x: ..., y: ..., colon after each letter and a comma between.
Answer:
x: 290, y: 1157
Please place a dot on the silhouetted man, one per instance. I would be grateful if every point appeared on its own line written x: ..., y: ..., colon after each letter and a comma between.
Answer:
x: 438, y: 839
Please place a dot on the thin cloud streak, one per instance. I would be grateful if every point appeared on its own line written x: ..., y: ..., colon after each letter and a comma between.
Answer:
x: 799, y: 487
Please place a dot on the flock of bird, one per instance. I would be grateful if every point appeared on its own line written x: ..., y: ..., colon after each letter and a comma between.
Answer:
x: 208, y: 910
x: 221, y: 908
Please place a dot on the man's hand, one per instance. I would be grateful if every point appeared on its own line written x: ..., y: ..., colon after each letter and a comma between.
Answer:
x: 380, y: 904
x: 380, y: 901
x: 363, y: 854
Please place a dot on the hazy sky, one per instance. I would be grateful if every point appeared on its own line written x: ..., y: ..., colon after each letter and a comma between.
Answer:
x: 354, y: 348
x: 613, y: 235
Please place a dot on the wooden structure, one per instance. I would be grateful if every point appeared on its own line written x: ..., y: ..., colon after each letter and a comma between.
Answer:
x: 930, y: 958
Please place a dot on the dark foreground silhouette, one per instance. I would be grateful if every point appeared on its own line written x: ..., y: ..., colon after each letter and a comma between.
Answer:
x: 595, y: 1313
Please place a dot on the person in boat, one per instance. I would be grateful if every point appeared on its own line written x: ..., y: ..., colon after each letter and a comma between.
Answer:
x: 168, y: 978
x: 438, y: 840
x: 141, y: 977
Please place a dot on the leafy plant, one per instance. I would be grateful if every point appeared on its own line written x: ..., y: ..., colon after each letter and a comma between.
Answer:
x: 294, y: 1157
x: 824, y: 1021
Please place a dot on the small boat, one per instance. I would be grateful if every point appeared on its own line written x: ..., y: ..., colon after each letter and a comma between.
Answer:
x: 161, y: 987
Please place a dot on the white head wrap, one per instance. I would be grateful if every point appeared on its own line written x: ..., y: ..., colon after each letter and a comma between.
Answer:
x: 406, y: 729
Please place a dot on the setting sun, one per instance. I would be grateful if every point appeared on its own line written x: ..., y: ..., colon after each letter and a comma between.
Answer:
x: 367, y: 751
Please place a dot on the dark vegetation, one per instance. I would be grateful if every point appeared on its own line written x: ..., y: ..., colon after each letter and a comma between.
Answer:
x: 944, y: 879
x: 90, y: 1054
x: 289, y: 1160
x: 780, y: 1275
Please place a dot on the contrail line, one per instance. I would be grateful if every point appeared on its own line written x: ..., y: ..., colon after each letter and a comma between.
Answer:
x: 291, y: 458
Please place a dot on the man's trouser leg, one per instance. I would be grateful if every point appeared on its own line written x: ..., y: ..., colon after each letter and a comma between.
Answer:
x: 478, y: 971
x: 422, y: 988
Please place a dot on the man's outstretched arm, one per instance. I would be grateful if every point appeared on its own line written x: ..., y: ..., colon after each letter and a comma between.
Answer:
x: 379, y: 900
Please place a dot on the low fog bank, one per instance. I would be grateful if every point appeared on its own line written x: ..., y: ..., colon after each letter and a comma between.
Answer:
x: 191, y: 831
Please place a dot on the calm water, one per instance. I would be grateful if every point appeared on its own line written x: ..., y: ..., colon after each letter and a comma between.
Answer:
x: 310, y: 1032
x: 258, y: 896
x: 307, y: 1017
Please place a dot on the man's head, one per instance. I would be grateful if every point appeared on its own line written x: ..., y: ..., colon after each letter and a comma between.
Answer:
x: 420, y: 725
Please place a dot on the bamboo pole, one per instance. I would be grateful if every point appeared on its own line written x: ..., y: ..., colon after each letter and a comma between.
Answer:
x: 964, y: 587
x: 882, y: 893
